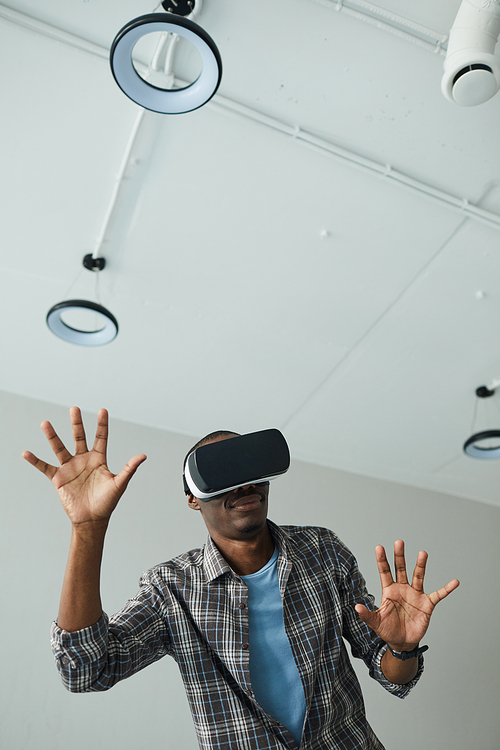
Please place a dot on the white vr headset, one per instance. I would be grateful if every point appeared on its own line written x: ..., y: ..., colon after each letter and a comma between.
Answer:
x: 216, y: 468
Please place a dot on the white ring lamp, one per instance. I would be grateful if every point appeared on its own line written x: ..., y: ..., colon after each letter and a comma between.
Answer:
x: 473, y: 448
x: 167, y: 102
x: 102, y: 336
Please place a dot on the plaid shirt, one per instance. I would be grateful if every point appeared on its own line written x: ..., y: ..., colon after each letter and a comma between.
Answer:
x: 195, y: 608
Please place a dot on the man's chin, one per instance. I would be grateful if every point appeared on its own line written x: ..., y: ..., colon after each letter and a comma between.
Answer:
x: 251, y: 529
x: 250, y: 523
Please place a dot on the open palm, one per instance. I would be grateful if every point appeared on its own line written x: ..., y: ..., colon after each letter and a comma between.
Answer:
x: 89, y: 492
x: 404, y: 614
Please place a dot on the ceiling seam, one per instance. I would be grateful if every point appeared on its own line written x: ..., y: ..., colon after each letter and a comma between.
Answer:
x: 232, y: 107
x: 375, y: 324
x: 381, y: 477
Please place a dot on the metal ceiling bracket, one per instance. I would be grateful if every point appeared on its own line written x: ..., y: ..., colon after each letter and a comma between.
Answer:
x: 484, y: 392
x: 179, y: 7
x: 93, y: 264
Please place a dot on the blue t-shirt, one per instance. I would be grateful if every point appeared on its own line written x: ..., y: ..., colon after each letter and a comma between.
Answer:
x: 275, y: 678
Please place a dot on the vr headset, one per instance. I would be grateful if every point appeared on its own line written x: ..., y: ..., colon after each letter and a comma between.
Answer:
x: 216, y: 468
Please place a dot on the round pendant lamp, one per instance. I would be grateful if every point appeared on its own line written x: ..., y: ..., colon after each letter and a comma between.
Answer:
x: 479, y: 445
x: 168, y: 102
x: 107, y: 331
x: 104, y: 322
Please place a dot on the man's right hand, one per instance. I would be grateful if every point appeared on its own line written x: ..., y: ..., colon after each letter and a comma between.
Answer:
x: 89, y: 492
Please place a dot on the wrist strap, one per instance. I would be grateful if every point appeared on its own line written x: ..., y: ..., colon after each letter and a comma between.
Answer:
x: 405, y: 655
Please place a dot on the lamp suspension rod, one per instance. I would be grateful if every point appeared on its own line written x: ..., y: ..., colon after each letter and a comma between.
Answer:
x: 171, y: 44
x: 165, y: 39
x: 118, y: 183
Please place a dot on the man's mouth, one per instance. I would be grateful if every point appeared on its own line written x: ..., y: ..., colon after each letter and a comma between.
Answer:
x: 247, y: 502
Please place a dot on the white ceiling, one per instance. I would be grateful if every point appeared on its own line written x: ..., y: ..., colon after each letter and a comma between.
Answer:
x: 259, y: 280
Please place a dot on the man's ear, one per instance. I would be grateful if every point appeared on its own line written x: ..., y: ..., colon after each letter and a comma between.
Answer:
x: 194, y: 502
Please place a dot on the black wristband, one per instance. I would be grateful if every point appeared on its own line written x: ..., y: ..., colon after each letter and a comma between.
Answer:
x: 405, y: 655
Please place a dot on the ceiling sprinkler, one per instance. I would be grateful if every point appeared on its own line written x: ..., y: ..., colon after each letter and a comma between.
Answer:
x: 471, y: 69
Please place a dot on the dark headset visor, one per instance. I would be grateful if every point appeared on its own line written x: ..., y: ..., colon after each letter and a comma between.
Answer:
x: 217, y: 468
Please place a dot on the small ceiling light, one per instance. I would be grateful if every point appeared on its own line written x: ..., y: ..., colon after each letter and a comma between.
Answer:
x: 107, y: 325
x: 166, y: 101
x: 484, y: 445
x: 99, y: 337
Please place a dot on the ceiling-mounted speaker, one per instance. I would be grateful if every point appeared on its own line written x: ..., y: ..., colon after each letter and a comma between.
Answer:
x: 471, y: 69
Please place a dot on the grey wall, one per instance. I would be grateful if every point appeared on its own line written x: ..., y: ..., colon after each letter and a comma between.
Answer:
x: 454, y: 706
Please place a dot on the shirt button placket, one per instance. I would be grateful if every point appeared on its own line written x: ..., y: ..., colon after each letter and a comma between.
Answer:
x: 241, y: 605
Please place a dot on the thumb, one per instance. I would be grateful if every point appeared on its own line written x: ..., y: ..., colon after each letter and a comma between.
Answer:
x: 123, y: 478
x: 368, y: 617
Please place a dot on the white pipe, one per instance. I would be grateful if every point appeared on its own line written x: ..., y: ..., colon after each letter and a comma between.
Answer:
x: 52, y: 32
x: 461, y: 205
x: 476, y: 27
x: 390, y: 22
x: 471, y: 70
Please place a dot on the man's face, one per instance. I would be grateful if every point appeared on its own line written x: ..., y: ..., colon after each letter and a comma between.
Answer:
x: 239, y: 514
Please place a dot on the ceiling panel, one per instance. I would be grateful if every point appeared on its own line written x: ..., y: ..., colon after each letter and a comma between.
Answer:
x: 428, y: 355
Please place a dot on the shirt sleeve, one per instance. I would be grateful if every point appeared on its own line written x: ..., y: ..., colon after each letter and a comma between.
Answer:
x: 365, y: 644
x: 99, y: 656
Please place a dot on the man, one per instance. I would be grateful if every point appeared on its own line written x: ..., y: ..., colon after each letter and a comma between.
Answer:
x: 256, y: 620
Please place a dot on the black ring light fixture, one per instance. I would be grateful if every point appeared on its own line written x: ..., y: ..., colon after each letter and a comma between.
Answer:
x: 174, y: 101
x: 108, y: 329
x: 472, y: 446
x: 102, y: 336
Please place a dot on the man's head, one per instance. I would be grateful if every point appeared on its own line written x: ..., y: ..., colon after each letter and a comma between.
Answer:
x: 238, y: 514
x: 210, y: 438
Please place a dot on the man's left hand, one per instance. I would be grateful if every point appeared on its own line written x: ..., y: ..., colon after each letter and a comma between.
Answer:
x: 403, y: 617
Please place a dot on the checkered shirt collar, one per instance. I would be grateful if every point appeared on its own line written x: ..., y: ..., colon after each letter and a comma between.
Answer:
x: 215, y: 565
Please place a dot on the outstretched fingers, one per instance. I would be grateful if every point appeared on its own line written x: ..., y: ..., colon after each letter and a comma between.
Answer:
x: 123, y: 478
x: 101, y: 434
x: 442, y: 593
x: 55, y: 442
x: 383, y: 567
x: 400, y: 562
x: 419, y: 572
x: 42, y: 466
x: 372, y: 619
x: 78, y: 430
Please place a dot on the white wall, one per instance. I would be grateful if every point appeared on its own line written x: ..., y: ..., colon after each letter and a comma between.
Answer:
x: 454, y: 706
